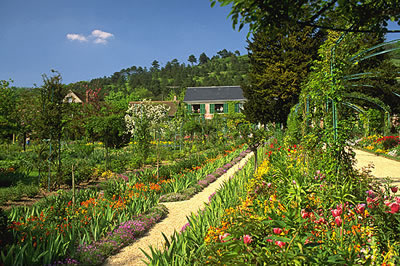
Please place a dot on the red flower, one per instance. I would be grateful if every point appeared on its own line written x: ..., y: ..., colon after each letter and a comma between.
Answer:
x: 247, y: 239
x: 338, y: 221
x: 277, y: 231
x: 394, y: 207
x: 221, y: 238
x: 360, y: 208
x: 304, y: 214
x: 336, y: 212
x: 394, y: 189
x: 280, y: 244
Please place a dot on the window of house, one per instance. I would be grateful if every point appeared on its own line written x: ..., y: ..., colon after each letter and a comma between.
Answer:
x: 69, y: 99
x: 219, y: 108
x: 196, y: 108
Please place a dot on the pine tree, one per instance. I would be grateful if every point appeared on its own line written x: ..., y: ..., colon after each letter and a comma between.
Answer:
x: 279, y: 64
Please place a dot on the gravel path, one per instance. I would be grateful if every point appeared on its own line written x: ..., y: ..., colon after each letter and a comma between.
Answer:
x: 176, y: 219
x: 383, y: 167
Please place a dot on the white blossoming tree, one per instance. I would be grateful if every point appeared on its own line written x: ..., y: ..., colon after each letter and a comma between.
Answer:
x: 143, y: 118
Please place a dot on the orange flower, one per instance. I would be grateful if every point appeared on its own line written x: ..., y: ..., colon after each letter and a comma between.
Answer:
x: 155, y: 187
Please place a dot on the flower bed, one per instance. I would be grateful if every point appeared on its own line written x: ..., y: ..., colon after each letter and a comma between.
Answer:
x: 295, y: 213
x: 204, y: 177
x: 386, y: 145
x: 52, y: 229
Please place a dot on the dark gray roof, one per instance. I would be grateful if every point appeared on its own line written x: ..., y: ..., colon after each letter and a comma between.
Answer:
x: 215, y: 93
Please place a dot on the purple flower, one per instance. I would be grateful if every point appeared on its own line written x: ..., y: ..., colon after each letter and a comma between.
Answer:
x: 203, y: 183
x: 211, y: 196
x: 184, y: 227
x: 210, y: 178
x: 124, y: 177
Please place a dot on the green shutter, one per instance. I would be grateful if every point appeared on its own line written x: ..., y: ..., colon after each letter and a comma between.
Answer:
x: 226, y: 108
x: 202, y: 108
x: 189, y: 108
x: 212, y: 108
x: 236, y: 108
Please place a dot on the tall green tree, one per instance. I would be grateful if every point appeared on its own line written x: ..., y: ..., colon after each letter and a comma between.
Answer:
x: 192, y: 59
x: 279, y: 64
x: 8, y: 115
x: 155, y: 66
x: 203, y: 58
x: 276, y: 16
x: 50, y: 120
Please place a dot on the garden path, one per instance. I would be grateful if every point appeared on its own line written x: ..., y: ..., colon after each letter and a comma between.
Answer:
x: 383, y: 167
x: 176, y: 219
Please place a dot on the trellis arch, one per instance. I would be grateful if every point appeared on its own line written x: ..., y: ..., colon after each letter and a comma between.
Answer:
x: 376, y: 102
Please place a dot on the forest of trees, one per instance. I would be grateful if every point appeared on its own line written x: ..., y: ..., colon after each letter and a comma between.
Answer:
x: 162, y: 82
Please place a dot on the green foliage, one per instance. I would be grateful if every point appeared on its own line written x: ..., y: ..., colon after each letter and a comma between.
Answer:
x: 279, y: 64
x: 281, y: 17
x: 294, y: 126
x: 8, y: 111
x: 192, y: 126
x: 110, y: 129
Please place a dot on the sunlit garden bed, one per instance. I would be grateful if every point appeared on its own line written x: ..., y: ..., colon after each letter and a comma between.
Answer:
x: 103, y: 219
x: 294, y: 210
x: 387, y: 146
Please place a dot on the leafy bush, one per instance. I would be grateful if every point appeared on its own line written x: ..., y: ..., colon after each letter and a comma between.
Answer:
x: 82, y: 171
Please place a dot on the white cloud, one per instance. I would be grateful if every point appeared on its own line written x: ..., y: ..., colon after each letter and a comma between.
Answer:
x: 98, y: 37
x: 76, y: 37
x: 99, y: 40
x: 101, y: 34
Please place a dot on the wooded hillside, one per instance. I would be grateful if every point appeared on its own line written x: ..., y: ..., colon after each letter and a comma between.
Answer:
x: 163, y: 82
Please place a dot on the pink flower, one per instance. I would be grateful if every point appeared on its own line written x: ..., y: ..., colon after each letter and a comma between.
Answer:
x: 394, y: 207
x: 277, y: 231
x: 304, y: 214
x: 338, y: 221
x: 370, y: 201
x: 247, y: 239
x: 280, y: 244
x: 221, y: 238
x: 336, y: 212
x: 394, y: 189
x: 360, y: 208
x: 371, y: 193
x: 269, y: 185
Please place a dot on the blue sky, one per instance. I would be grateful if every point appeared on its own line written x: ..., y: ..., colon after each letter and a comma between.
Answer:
x: 94, y: 38
x: 87, y: 39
